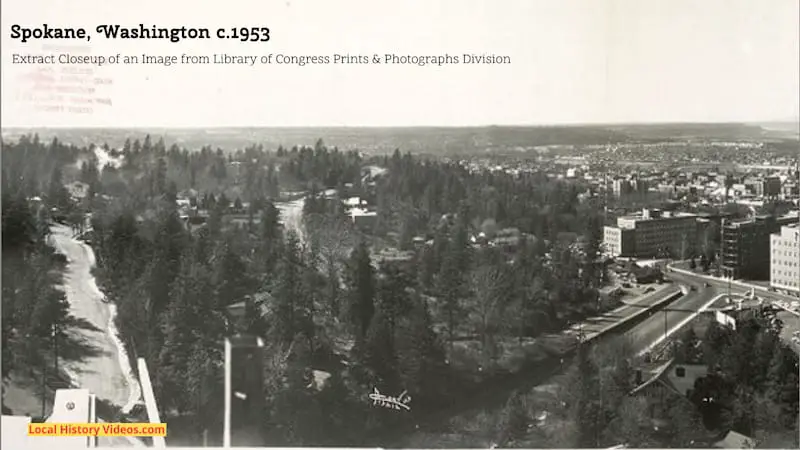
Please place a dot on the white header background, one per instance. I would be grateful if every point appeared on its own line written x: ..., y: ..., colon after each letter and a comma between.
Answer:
x: 573, y: 61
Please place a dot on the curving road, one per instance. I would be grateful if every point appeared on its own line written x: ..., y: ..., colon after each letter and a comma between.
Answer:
x: 674, y: 316
x: 105, y: 371
x: 790, y: 319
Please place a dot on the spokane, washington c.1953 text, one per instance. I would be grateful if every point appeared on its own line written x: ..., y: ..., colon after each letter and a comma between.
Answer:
x: 172, y: 34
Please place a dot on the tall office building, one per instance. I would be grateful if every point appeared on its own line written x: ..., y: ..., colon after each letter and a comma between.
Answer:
x: 746, y: 246
x: 652, y: 234
x: 785, y: 249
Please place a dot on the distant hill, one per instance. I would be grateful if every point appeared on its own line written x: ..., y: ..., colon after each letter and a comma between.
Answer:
x: 436, y: 140
x: 787, y: 129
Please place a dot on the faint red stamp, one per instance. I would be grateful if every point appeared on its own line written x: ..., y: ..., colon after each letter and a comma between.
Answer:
x: 63, y: 88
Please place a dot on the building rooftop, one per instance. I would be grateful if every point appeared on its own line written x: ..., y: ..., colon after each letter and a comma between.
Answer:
x: 640, y: 217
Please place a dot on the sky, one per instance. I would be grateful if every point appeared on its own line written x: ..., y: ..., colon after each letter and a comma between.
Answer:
x: 572, y: 61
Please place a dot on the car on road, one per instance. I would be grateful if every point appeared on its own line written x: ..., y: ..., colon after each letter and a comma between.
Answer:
x: 649, y: 289
x: 692, y: 288
x: 706, y: 284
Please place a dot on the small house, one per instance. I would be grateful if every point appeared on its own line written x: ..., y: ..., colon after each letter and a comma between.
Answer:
x: 663, y: 381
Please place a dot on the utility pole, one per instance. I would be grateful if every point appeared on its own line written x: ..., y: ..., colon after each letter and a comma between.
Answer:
x: 55, y: 347
x: 730, y: 277
x: 44, y: 390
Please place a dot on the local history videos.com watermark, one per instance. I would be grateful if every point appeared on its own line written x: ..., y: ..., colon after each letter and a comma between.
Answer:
x: 97, y: 429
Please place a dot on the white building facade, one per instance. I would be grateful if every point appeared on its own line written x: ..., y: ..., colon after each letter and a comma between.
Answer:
x: 785, y: 250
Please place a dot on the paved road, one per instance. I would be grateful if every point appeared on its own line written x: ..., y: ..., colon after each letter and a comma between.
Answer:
x: 791, y: 320
x: 675, y: 315
x: 592, y: 326
x: 723, y: 286
x: 104, y: 372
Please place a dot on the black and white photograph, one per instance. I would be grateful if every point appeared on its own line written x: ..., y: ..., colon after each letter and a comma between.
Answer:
x: 384, y: 224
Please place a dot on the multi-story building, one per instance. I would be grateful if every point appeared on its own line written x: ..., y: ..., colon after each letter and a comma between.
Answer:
x: 746, y: 246
x: 618, y: 241
x: 624, y: 186
x: 755, y: 186
x: 639, y: 186
x: 772, y: 187
x: 621, y: 187
x: 652, y: 233
x: 785, y: 249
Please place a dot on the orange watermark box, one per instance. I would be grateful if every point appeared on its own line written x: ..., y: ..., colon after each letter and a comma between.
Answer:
x: 97, y: 429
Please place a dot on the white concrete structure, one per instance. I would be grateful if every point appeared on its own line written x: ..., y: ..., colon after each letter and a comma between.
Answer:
x: 785, y: 255
x: 150, y: 401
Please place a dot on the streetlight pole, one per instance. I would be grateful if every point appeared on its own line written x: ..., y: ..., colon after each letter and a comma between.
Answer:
x: 243, y: 387
x: 226, y: 431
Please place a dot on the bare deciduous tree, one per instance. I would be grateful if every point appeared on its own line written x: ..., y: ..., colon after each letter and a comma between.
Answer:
x: 331, y: 238
x: 489, y: 285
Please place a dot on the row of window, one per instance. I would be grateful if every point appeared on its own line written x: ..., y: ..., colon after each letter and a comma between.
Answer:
x: 781, y: 262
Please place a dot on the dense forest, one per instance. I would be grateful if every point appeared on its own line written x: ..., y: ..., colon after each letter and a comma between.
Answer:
x: 339, y: 318
x: 35, y: 310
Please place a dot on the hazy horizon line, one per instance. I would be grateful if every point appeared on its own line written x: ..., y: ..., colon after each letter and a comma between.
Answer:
x: 795, y: 121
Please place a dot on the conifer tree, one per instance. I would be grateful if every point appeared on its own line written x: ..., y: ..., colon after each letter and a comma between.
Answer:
x: 360, y: 281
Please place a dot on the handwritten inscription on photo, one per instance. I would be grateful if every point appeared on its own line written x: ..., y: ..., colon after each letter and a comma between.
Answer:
x: 398, y: 403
